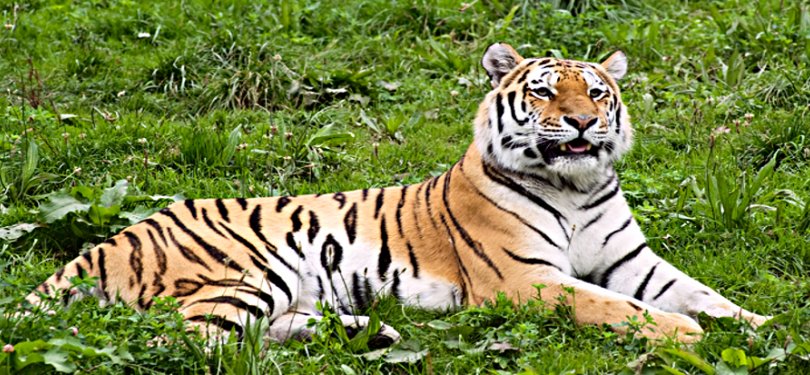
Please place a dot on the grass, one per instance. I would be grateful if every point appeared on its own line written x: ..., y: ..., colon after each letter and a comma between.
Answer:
x: 210, y: 99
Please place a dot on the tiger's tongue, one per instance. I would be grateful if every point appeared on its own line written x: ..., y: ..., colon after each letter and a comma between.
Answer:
x: 577, y: 149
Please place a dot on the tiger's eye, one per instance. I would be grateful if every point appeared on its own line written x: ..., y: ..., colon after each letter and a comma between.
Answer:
x: 543, y: 91
x: 595, y: 93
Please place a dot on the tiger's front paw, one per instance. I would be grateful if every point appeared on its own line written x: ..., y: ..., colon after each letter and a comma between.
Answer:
x: 755, y: 320
x: 673, y: 325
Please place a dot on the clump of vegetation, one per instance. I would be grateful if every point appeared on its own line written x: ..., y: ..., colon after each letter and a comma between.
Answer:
x: 111, y: 109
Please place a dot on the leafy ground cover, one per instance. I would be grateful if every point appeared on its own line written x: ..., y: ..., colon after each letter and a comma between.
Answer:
x: 109, y: 109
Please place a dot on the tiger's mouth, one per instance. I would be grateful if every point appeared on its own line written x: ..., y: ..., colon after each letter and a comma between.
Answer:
x: 575, y: 149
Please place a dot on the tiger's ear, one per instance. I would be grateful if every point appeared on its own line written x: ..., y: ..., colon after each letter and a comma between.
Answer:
x: 616, y: 65
x: 499, y: 60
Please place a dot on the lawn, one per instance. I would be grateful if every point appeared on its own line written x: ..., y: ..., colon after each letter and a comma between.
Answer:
x: 111, y: 109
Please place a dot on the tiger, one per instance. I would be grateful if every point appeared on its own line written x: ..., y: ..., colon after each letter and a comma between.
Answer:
x: 533, y: 204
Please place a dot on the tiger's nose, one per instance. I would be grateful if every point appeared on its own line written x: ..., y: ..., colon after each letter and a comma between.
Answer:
x: 581, y: 122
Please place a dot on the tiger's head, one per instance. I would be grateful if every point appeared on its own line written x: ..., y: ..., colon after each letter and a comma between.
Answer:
x: 560, y: 119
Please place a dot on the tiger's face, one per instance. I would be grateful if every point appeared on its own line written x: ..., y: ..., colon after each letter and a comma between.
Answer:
x: 552, y: 117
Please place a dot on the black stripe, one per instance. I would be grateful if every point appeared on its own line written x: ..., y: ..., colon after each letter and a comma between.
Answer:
x: 273, y: 277
x: 601, y: 199
x: 529, y: 153
x: 158, y: 229
x: 111, y: 241
x: 458, y: 258
x: 185, y: 287
x: 350, y: 223
x: 593, y: 221
x: 605, y: 184
x: 511, y: 97
x: 415, y: 210
x: 266, y: 298
x: 245, y: 243
x: 508, y: 80
x: 513, y: 214
x: 664, y: 288
x: 378, y: 203
x: 505, y: 141
x: 255, y: 222
x: 88, y: 256
x: 186, y: 252
x: 314, y: 227
x: 523, y: 76
x: 223, y: 324
x: 398, y: 214
x: 135, y: 256
x: 293, y: 245
x: 228, y: 283
x: 514, y: 186
x: 140, y: 301
x: 320, y: 289
x: 331, y: 254
x: 212, y: 251
x: 80, y: 271
x: 618, y: 115
x: 278, y: 257
x: 384, y: 260
x: 365, y: 194
x: 281, y: 202
x: 59, y: 274
x: 395, y: 286
x: 190, y: 205
x: 412, y: 258
x: 500, y: 111
x: 102, y: 273
x: 623, y: 227
x: 532, y: 261
x: 357, y: 293
x: 340, y: 198
x: 428, y: 204
x: 209, y: 223
x: 619, y: 263
x: 474, y: 245
x: 296, y: 219
x: 639, y: 295
x: 159, y: 253
x: 223, y: 211
x: 242, y: 203
x: 368, y: 292
x: 159, y: 288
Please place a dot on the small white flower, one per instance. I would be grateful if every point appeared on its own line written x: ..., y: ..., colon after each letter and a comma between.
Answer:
x: 142, y: 141
x: 276, y: 57
x: 144, y: 35
x: 8, y: 348
x: 454, y: 93
x: 74, y: 331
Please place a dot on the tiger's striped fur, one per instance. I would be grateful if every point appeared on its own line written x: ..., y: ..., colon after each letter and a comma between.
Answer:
x: 534, y: 200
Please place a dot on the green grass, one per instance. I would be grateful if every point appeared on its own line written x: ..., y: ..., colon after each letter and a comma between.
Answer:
x: 229, y: 99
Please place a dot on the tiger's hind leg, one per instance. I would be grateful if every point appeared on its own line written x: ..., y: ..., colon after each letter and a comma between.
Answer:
x: 218, y: 311
x: 295, y: 325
